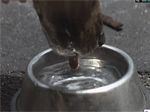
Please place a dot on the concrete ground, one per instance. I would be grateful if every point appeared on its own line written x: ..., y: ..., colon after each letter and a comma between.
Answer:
x: 22, y: 38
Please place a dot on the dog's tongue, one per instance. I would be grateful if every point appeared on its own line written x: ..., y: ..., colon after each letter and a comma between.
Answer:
x: 74, y: 61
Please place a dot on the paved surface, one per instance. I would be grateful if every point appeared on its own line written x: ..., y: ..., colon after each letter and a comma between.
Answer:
x: 22, y: 38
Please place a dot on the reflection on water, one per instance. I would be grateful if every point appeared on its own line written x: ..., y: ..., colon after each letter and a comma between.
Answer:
x: 92, y: 73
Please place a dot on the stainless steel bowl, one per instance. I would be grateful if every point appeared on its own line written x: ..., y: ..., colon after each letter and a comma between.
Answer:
x: 125, y: 94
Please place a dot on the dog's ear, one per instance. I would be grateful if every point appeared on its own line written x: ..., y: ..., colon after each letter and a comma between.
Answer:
x: 7, y: 1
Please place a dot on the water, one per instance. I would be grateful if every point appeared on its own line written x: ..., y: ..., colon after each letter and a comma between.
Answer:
x: 92, y: 73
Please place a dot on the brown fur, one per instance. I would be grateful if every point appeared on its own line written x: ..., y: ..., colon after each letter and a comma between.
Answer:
x: 75, y: 22
x: 72, y: 26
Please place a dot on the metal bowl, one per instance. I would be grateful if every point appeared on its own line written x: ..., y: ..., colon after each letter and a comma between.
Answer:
x: 125, y: 94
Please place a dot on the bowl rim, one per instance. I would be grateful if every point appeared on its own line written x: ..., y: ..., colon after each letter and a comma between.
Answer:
x: 102, y: 89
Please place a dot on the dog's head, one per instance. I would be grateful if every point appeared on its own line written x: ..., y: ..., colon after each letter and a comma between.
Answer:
x: 71, y: 26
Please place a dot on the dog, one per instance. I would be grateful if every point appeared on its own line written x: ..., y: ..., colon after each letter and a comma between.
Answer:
x: 73, y: 28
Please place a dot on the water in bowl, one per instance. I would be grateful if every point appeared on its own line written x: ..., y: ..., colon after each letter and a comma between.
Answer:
x: 92, y: 73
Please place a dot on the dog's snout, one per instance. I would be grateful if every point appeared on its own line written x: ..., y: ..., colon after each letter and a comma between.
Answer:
x: 101, y: 40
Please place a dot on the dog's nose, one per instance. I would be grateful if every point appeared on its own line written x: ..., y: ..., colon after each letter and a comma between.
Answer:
x: 101, y: 40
